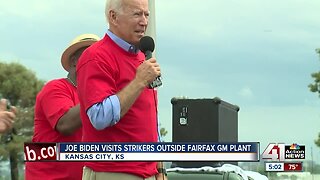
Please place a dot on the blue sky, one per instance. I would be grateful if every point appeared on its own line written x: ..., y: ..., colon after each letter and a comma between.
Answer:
x: 256, y: 54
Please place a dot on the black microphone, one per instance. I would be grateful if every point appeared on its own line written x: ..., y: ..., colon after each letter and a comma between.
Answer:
x: 147, y: 47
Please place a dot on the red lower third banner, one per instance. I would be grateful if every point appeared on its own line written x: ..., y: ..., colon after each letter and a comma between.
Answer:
x: 40, y: 151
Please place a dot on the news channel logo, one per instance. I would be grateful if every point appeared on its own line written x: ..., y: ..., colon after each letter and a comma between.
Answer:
x: 282, y: 152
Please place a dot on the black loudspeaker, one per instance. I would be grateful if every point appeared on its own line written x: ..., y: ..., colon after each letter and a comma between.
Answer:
x: 203, y: 120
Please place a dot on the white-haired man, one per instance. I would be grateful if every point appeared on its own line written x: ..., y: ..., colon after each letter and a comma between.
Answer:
x: 116, y: 104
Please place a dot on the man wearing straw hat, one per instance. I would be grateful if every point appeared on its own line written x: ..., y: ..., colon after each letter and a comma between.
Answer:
x: 57, y: 117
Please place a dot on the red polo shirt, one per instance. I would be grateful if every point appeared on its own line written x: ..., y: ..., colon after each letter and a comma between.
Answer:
x: 103, y: 70
x: 52, y: 102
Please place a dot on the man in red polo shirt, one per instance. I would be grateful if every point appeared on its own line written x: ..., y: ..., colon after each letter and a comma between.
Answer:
x: 57, y: 116
x: 116, y: 103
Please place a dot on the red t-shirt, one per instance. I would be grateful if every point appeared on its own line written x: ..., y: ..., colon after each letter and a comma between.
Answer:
x: 103, y: 70
x: 52, y: 102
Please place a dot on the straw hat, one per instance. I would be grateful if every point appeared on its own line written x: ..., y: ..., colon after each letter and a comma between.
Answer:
x: 79, y: 42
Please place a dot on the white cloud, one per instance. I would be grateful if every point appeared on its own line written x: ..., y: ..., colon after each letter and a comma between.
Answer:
x: 25, y: 9
x: 37, y: 9
x: 222, y: 20
x: 290, y: 124
x: 246, y: 92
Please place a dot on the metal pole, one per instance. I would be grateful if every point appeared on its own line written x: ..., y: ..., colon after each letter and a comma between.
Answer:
x: 312, y: 163
x: 151, y: 30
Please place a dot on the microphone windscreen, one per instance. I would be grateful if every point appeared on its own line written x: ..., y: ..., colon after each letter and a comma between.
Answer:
x: 146, y: 44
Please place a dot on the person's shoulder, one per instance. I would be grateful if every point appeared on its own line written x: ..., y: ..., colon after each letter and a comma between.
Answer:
x: 92, y: 52
x: 100, y: 52
x: 52, y: 86
x: 55, y: 83
x: 101, y: 47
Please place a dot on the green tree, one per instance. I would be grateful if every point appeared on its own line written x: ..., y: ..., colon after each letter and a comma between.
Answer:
x: 20, y: 86
x: 163, y: 132
x: 293, y: 177
x: 315, y: 87
x: 316, y: 169
x: 317, y: 141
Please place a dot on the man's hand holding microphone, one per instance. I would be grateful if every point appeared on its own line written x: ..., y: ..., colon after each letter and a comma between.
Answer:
x: 149, y: 70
